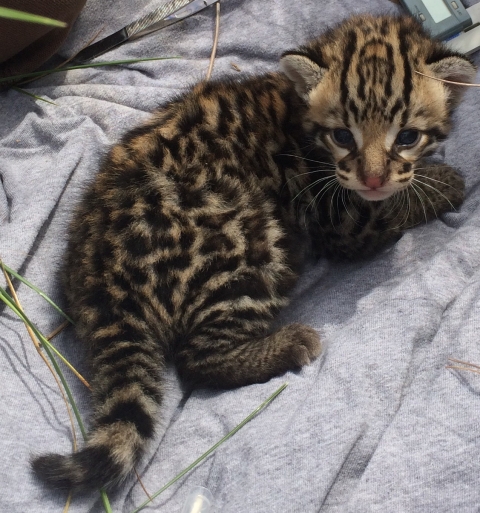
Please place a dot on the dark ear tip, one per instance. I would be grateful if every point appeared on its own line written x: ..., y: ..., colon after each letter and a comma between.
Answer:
x: 289, y: 52
x: 300, y: 52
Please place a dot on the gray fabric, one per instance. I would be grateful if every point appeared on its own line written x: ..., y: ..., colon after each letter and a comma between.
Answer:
x: 377, y: 424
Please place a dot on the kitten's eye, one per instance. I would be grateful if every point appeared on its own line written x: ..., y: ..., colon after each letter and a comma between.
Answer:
x: 407, y: 138
x: 343, y: 137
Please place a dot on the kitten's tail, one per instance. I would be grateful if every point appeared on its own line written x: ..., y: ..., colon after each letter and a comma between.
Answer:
x: 126, y: 400
x: 102, y: 462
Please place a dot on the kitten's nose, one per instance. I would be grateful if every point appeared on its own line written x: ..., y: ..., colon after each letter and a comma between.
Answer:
x: 374, y: 182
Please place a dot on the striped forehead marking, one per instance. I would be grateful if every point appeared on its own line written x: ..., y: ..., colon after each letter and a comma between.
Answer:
x: 372, y: 71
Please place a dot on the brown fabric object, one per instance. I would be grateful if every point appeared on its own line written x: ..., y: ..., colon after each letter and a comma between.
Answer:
x: 26, y: 46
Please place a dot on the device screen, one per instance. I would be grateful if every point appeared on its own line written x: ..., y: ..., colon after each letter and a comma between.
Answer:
x: 437, y: 9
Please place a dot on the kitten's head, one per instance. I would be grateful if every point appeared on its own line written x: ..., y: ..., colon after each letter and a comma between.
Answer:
x: 366, y: 105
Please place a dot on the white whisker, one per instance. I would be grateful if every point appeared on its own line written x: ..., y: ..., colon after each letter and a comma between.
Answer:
x: 438, y: 181
x: 404, y: 207
x: 310, y: 185
x: 335, y: 190
x: 414, y: 189
x: 333, y: 166
x: 312, y: 203
x: 435, y: 189
x: 402, y: 200
x: 428, y: 197
x: 344, y: 193
x: 322, y: 191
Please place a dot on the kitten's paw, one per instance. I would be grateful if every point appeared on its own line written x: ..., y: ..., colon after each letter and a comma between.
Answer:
x: 300, y: 344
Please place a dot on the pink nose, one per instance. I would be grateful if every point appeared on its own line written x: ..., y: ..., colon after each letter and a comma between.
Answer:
x: 374, y: 182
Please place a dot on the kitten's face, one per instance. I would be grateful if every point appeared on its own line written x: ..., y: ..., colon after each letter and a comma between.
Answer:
x: 376, y: 139
x: 367, y: 106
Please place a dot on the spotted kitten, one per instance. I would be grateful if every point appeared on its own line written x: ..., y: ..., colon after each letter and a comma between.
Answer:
x: 195, y: 229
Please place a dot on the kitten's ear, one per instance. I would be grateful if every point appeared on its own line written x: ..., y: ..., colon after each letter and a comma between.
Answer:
x: 456, y: 69
x: 302, y: 71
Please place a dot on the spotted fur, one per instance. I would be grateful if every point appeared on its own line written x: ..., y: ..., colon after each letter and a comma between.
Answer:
x: 196, y: 227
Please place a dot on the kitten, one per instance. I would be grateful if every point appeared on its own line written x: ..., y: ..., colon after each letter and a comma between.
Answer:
x: 195, y: 229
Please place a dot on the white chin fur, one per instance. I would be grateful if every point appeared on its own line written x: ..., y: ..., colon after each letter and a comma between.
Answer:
x: 371, y: 195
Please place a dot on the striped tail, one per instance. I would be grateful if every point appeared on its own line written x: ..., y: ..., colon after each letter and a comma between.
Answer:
x: 127, y: 396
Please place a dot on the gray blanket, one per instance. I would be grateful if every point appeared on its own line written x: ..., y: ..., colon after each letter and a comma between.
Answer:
x: 378, y: 424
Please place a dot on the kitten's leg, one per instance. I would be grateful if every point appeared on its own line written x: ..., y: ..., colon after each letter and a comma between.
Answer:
x: 218, y: 356
x: 361, y: 228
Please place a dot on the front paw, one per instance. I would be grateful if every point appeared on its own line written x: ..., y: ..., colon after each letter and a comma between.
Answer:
x: 442, y: 187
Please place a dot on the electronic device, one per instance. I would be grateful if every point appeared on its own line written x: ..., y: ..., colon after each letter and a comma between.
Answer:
x: 442, y: 18
x: 450, y: 21
x: 468, y: 41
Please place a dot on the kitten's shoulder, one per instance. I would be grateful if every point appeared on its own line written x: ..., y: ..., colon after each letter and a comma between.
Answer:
x: 255, y: 101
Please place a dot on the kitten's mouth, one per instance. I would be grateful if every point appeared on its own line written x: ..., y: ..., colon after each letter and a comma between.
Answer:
x: 373, y: 194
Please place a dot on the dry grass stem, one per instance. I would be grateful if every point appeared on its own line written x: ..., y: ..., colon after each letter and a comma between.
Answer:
x: 215, y: 41
x: 464, y: 363
x: 462, y: 368
x: 141, y: 484
x: 447, y: 81
x: 67, y: 504
x: 469, y: 367
x: 63, y: 359
x: 71, y: 367
x: 58, y: 330
x: 36, y: 343
x: 38, y: 347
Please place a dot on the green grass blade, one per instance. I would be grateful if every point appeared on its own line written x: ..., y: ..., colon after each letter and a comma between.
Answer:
x: 36, y: 289
x: 214, y: 447
x: 13, y: 14
x: 47, y: 347
x: 44, y: 341
x: 22, y: 91
x: 81, y: 66
x: 105, y: 501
